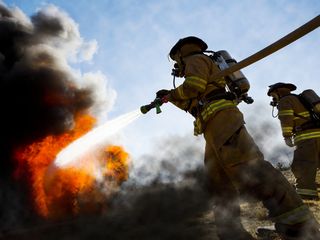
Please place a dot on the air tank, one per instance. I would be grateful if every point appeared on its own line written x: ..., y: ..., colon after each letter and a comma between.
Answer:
x: 312, y: 99
x: 236, y: 80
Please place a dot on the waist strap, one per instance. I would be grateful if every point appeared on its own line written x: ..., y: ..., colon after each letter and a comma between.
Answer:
x: 218, y: 94
x: 307, y: 126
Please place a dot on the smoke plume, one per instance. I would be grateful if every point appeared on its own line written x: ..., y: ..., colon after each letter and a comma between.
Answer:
x: 267, y: 135
x: 168, y: 161
x: 40, y: 92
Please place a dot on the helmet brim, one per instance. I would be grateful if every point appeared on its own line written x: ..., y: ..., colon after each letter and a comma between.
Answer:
x: 203, y: 46
x: 276, y: 86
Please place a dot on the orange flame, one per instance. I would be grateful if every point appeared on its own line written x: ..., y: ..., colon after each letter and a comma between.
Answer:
x: 59, y: 196
x: 116, y: 164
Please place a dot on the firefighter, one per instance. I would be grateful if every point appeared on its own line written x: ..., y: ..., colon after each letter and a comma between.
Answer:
x: 299, y: 129
x: 233, y: 162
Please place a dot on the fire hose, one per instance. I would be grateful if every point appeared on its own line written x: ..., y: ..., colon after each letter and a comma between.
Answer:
x: 270, y: 49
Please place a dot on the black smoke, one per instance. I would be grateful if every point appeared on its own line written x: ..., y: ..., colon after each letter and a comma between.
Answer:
x: 39, y: 95
x: 157, y: 211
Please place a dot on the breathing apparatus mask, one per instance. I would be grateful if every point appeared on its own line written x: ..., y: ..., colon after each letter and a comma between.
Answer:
x: 177, y: 71
x: 274, y: 102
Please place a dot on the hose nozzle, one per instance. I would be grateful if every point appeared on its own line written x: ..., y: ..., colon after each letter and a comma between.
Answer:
x: 154, y: 104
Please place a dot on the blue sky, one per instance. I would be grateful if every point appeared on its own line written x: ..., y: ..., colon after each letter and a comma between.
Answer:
x: 134, y: 38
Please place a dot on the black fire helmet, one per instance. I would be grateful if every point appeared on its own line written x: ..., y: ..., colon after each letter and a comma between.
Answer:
x: 275, y: 86
x: 191, y: 39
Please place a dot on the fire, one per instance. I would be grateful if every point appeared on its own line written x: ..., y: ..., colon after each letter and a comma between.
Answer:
x: 59, y: 192
x: 116, y: 167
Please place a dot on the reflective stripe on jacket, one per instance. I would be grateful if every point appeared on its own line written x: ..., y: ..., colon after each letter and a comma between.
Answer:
x: 215, y: 106
x: 307, y: 134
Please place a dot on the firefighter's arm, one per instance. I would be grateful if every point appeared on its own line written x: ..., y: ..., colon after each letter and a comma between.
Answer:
x: 286, y: 116
x: 164, y: 95
x: 184, y: 105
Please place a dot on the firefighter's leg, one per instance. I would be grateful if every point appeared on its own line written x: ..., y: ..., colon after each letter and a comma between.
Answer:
x: 244, y: 164
x: 226, y: 206
x: 304, y: 168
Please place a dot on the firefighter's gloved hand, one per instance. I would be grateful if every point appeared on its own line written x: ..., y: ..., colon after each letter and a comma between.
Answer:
x: 165, y: 98
x: 289, y: 141
x: 161, y: 93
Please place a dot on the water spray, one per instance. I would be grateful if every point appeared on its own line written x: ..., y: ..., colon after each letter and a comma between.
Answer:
x: 94, y: 139
x: 100, y: 135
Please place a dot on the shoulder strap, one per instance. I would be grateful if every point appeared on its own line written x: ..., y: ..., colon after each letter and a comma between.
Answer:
x: 212, y: 56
